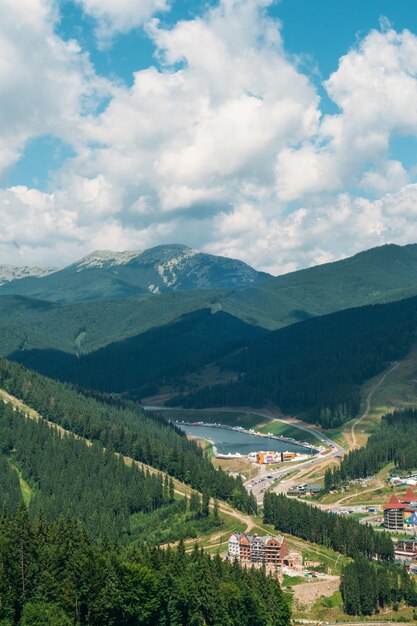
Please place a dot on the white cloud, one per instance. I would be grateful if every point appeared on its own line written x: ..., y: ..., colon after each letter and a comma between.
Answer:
x: 184, y: 137
x: 375, y: 87
x: 119, y: 16
x: 46, y: 84
x: 222, y: 146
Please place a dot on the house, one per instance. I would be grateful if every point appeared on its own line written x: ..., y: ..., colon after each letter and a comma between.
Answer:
x: 409, y: 498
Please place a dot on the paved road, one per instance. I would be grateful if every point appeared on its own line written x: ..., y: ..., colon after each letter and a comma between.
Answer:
x: 258, y: 485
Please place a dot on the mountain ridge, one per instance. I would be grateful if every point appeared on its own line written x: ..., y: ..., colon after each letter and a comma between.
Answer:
x: 106, y: 274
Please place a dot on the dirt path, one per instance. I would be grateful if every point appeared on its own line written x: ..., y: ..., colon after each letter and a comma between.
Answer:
x: 353, y: 444
x: 308, y: 593
x: 180, y: 488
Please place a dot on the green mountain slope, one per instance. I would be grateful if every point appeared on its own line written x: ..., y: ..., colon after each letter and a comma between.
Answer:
x: 165, y: 352
x: 382, y: 274
x: 315, y: 368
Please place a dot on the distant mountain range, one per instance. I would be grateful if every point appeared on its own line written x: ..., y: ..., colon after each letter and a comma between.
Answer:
x: 9, y: 273
x: 106, y: 274
x: 104, y: 309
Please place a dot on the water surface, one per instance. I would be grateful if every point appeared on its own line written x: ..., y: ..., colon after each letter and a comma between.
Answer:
x: 231, y: 441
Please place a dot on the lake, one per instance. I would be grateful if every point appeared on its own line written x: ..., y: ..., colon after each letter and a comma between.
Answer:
x: 232, y: 441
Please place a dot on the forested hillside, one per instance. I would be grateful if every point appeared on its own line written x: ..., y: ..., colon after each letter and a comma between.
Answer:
x: 123, y: 427
x: 70, y: 478
x: 394, y: 441
x: 315, y: 368
x: 369, y: 587
x: 379, y: 275
x: 52, y: 574
x: 10, y: 492
x: 161, y: 354
x: 343, y: 534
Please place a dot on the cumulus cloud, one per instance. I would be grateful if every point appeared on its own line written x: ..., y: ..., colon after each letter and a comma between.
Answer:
x: 309, y: 236
x: 193, y: 135
x: 119, y: 16
x: 222, y: 145
x: 375, y: 88
x: 46, y: 85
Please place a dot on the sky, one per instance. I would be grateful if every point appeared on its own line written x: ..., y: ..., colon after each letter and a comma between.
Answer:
x: 280, y: 133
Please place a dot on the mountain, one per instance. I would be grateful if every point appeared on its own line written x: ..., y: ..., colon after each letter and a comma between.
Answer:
x: 379, y: 275
x: 107, y: 274
x: 9, y: 273
x: 162, y: 353
x: 315, y: 368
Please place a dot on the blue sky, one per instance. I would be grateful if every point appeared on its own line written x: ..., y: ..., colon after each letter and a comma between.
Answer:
x: 283, y: 133
x: 322, y: 30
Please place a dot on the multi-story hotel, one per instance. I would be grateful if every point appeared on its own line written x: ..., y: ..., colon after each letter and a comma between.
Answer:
x: 268, y: 549
x: 400, y: 513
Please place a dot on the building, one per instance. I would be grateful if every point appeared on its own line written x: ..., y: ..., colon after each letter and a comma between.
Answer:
x: 401, y: 513
x: 394, y: 514
x: 271, y: 550
x: 406, y: 550
x: 234, y: 546
x: 264, y: 458
x: 245, y: 543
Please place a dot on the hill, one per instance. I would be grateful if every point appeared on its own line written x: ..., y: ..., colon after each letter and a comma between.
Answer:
x: 382, y: 274
x: 107, y: 274
x: 160, y: 353
x: 315, y: 368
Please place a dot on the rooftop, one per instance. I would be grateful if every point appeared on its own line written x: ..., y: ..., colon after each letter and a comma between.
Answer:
x: 394, y: 503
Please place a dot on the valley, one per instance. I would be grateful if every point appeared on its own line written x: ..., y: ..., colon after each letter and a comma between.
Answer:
x: 199, y: 462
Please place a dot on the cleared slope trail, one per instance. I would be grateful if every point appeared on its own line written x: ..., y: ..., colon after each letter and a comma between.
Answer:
x: 353, y: 444
x: 180, y: 488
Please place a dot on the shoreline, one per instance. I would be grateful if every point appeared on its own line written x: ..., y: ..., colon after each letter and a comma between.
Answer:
x: 306, y: 449
x: 240, y: 429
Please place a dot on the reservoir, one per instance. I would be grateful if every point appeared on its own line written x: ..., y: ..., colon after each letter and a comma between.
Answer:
x: 227, y: 440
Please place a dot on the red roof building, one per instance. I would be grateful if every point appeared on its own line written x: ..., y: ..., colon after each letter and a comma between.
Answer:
x: 394, y: 514
x: 409, y: 497
x: 394, y: 503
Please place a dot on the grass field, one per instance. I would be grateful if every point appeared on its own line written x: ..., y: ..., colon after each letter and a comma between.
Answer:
x: 398, y: 391
x: 286, y: 430
x: 25, y: 488
x: 237, y: 466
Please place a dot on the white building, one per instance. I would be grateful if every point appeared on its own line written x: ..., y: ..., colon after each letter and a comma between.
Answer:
x: 234, y: 546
